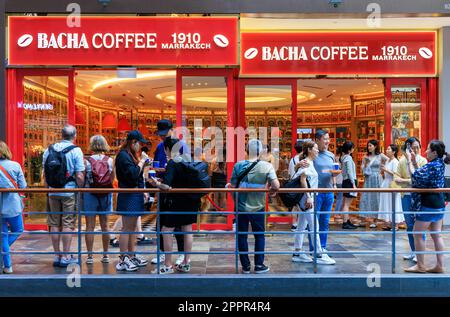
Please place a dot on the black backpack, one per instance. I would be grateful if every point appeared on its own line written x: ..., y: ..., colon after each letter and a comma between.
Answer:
x: 292, y: 199
x: 55, y: 167
x: 196, y: 177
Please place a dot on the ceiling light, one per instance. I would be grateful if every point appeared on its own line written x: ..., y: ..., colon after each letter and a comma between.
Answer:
x: 333, y: 91
x: 158, y: 74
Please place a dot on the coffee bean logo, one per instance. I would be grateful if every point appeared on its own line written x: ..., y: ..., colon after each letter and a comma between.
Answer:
x: 251, y: 53
x: 221, y: 40
x: 25, y: 40
x: 425, y: 52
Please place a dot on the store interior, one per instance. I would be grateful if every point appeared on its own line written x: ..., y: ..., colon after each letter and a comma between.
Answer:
x: 111, y: 103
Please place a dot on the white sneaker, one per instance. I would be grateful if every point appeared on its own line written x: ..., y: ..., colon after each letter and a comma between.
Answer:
x: 7, y: 270
x: 326, y: 260
x: 181, y: 260
x: 326, y: 252
x: 162, y: 257
x: 415, y: 259
x: 301, y: 258
x: 126, y: 265
x: 409, y: 257
x: 372, y: 225
x: 139, y: 261
x: 67, y: 261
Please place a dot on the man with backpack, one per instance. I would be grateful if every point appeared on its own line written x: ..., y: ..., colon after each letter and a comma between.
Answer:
x: 63, y: 168
x: 256, y: 174
x: 165, y: 130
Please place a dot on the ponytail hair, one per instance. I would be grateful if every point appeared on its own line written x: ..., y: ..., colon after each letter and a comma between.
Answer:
x: 446, y: 158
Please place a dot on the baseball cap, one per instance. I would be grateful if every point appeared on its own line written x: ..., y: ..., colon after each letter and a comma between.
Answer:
x: 136, y: 135
x: 164, y: 126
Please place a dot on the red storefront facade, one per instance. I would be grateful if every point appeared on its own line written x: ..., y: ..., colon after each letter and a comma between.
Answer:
x: 210, y: 46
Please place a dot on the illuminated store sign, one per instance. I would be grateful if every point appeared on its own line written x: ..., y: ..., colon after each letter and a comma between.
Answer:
x: 123, y: 41
x: 339, y: 53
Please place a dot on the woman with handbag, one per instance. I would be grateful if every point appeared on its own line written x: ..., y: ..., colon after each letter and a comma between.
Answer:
x: 349, y: 181
x: 11, y: 176
x: 389, y: 169
x: 371, y: 169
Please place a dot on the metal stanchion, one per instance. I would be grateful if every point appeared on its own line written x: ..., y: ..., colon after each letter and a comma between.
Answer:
x: 1, y: 231
x: 315, y: 233
x: 393, y: 231
x: 158, y: 233
x: 77, y: 206
x: 236, y: 230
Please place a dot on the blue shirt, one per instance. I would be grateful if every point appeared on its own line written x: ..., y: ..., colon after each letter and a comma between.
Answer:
x: 323, y: 164
x: 430, y: 175
x: 12, y: 203
x: 75, y: 163
x: 161, y: 157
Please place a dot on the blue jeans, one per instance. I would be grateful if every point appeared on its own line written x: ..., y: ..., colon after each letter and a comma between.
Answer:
x: 257, y: 222
x: 324, y: 204
x: 410, y: 220
x: 10, y: 235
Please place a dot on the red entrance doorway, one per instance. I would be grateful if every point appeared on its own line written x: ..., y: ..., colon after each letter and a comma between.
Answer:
x: 254, y: 113
x: 34, y: 120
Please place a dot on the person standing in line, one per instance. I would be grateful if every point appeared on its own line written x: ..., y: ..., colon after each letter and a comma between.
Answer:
x: 324, y: 165
x: 253, y: 173
x: 403, y: 179
x: 99, y: 174
x: 389, y: 168
x: 307, y: 219
x: 348, y: 181
x: 165, y: 130
x: 371, y: 169
x: 430, y: 207
x: 11, y: 176
x: 293, y: 167
x: 339, y: 179
x: 175, y: 177
x: 130, y: 163
x: 63, y: 168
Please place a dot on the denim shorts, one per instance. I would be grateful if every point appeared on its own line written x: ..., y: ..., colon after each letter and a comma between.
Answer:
x: 97, y: 205
x: 426, y: 214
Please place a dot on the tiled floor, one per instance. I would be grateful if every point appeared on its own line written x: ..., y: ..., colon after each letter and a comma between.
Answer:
x: 225, y: 263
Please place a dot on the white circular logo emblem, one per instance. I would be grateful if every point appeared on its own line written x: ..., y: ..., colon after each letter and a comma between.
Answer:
x: 251, y: 53
x: 221, y: 40
x: 25, y: 40
x: 425, y: 52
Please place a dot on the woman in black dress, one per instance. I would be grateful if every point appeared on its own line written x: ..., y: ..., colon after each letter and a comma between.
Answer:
x: 130, y: 164
x: 175, y: 177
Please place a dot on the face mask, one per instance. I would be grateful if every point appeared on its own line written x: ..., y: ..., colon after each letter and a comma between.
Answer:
x: 136, y: 147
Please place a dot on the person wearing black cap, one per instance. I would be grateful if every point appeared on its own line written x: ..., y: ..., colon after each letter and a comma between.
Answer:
x: 130, y: 164
x: 165, y: 129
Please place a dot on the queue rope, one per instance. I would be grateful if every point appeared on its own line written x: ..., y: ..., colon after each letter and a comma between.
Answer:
x: 212, y: 202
